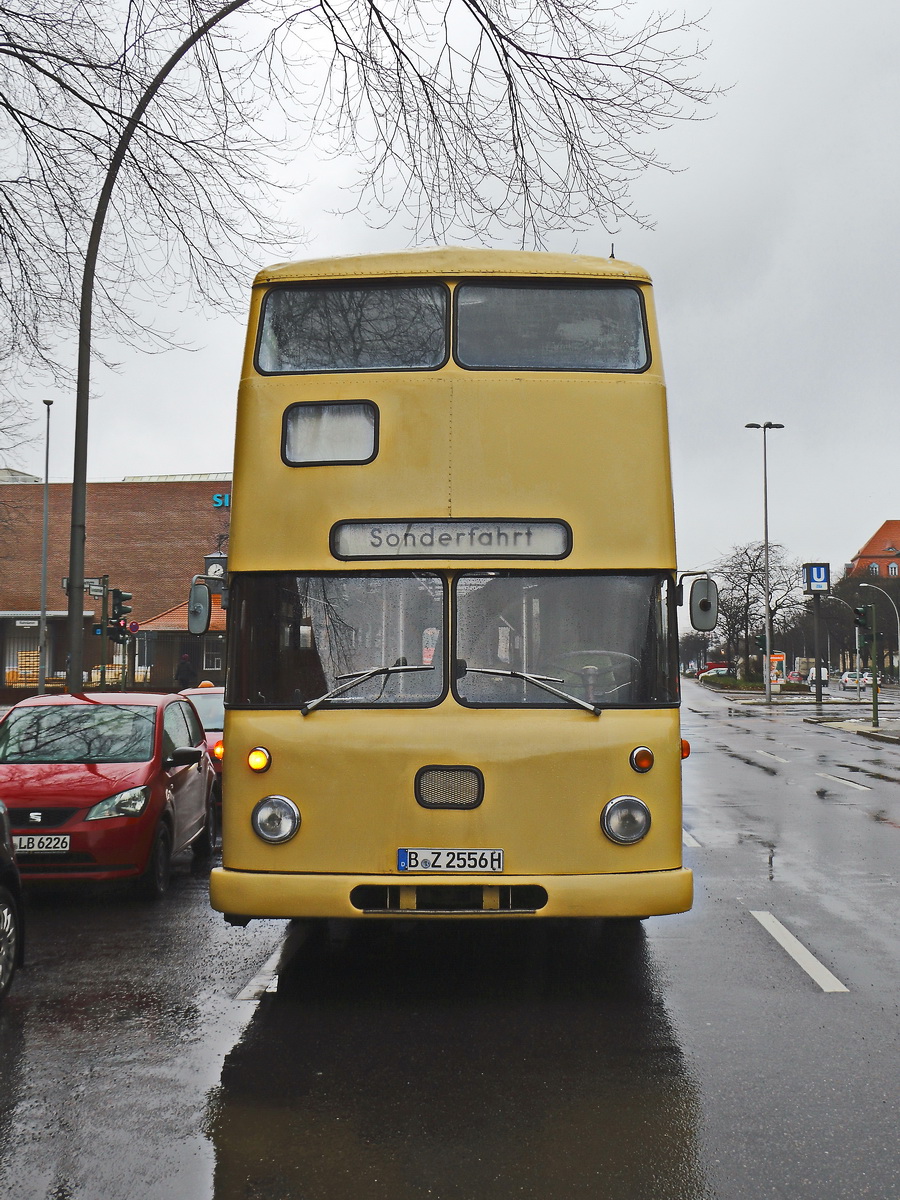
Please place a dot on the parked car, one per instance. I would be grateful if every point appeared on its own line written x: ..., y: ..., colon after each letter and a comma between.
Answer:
x: 106, y: 786
x: 714, y: 671
x: 209, y: 702
x: 12, y: 916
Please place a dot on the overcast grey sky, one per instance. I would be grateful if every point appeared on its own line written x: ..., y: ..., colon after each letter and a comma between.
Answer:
x: 774, y: 259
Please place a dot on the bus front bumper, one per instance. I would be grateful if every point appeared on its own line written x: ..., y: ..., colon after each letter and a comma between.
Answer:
x: 247, y: 894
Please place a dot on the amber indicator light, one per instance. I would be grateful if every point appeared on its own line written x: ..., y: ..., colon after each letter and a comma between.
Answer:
x: 259, y: 759
x: 641, y: 759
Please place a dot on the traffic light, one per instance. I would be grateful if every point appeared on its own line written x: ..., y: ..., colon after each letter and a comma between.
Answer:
x: 861, y: 616
x: 761, y: 642
x: 119, y: 608
x: 117, y: 631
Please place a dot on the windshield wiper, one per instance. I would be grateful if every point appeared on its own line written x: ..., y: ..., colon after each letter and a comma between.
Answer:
x: 355, y: 677
x: 541, y: 681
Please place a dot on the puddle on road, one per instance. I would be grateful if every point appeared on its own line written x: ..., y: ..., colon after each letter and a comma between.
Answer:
x: 882, y: 818
x: 750, y: 762
x: 856, y: 769
x: 460, y: 1061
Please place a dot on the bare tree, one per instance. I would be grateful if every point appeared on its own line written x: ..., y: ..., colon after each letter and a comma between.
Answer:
x: 742, y: 608
x: 471, y: 115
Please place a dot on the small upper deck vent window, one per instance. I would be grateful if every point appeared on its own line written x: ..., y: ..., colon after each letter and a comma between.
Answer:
x: 335, y: 432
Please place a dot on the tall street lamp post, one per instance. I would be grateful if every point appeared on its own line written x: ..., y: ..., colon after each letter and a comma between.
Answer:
x: 767, y: 674
x: 897, y: 615
x: 78, y: 523
x: 42, y: 631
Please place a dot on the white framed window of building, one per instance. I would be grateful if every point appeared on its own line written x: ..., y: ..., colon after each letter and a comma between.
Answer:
x: 893, y: 570
x: 873, y: 569
x: 212, y: 657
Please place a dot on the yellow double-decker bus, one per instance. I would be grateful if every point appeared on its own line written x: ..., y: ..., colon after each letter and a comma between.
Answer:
x: 452, y: 683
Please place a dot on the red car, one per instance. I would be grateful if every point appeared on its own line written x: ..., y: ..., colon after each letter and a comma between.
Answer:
x: 106, y: 786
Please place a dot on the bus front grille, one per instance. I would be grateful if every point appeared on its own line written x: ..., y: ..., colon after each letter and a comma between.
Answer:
x: 449, y: 787
x: 449, y: 898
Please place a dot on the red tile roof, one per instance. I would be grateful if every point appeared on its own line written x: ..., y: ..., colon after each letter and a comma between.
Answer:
x: 174, y: 620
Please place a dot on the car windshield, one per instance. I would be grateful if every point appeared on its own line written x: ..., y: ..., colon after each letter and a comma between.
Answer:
x: 211, y: 710
x: 78, y: 733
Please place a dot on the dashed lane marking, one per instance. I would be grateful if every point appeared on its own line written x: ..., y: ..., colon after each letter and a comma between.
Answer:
x: 688, y: 839
x: 775, y: 756
x: 799, y: 953
x: 860, y: 787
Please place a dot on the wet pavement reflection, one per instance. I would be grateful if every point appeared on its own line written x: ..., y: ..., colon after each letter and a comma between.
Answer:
x: 460, y: 1060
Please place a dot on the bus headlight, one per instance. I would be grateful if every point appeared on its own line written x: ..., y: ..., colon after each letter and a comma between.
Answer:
x: 275, y: 819
x: 625, y: 820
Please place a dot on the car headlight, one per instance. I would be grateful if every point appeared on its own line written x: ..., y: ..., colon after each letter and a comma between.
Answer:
x: 625, y: 820
x: 130, y: 803
x: 275, y: 819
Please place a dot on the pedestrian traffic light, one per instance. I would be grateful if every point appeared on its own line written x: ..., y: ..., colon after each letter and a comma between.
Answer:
x: 761, y: 642
x: 119, y: 608
x: 861, y: 616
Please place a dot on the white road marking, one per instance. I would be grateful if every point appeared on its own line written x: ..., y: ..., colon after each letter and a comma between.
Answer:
x: 860, y: 787
x: 688, y: 839
x: 799, y: 953
x: 265, y: 979
x: 775, y: 756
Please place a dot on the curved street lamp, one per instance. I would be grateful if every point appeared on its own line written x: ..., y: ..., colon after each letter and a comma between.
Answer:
x: 765, y: 427
x: 78, y: 524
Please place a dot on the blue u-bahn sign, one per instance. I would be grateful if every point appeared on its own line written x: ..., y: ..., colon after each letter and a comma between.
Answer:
x: 816, y: 577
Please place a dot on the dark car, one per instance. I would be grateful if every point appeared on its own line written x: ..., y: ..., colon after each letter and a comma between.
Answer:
x: 12, y: 917
x: 106, y: 786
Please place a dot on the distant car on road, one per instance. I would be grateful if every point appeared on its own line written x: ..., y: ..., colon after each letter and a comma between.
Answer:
x: 12, y: 916
x: 106, y: 786
x: 714, y: 671
x: 849, y: 681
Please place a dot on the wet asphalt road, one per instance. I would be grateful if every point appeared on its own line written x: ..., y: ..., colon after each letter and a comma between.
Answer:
x: 142, y: 1056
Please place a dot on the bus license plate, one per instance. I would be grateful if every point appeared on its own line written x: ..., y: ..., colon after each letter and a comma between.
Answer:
x: 37, y: 843
x: 422, y: 859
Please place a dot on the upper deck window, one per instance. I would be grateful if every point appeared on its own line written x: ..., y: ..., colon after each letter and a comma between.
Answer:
x: 550, y: 327
x: 353, y: 327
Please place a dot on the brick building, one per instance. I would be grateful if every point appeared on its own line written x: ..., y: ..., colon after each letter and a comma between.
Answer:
x: 880, y: 555
x: 148, y: 534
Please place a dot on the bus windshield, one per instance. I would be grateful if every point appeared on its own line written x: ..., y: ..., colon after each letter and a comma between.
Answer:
x: 604, y: 638
x: 303, y: 635
x: 530, y: 326
x: 601, y: 637
x: 347, y: 327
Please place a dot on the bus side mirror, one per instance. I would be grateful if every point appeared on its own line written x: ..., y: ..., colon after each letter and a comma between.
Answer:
x: 704, y: 605
x: 199, y: 608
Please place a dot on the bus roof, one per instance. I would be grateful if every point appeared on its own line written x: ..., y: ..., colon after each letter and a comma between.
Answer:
x: 452, y: 261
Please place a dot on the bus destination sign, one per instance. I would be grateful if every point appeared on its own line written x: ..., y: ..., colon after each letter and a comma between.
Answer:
x: 486, y: 538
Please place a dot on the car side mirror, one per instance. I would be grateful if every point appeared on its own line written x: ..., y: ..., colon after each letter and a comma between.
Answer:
x: 184, y: 756
x: 199, y: 608
x: 704, y: 604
